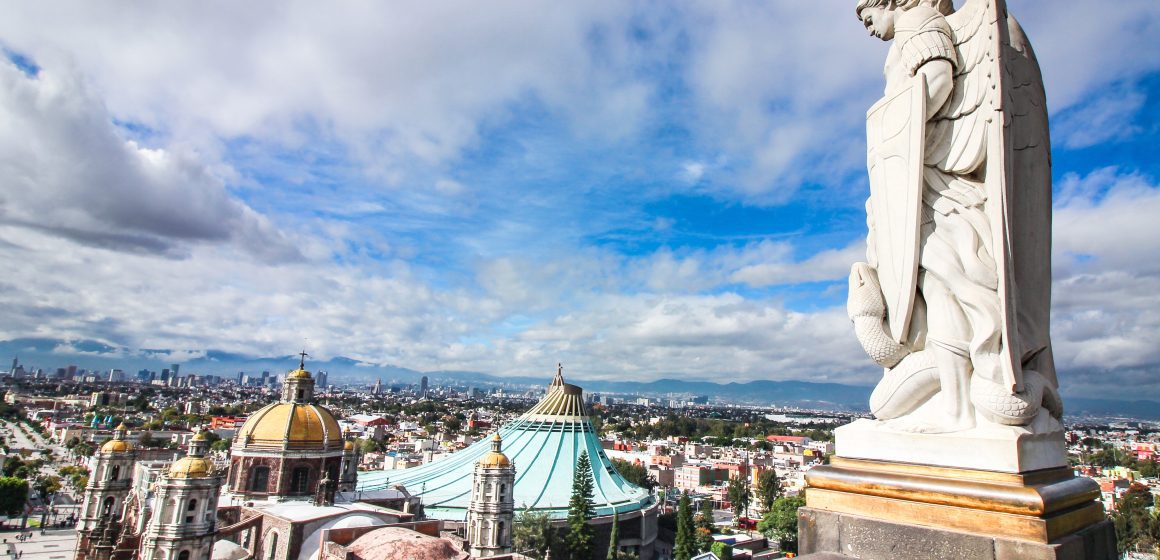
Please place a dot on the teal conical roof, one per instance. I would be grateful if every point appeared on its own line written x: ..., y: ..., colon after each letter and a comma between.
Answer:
x: 544, y: 445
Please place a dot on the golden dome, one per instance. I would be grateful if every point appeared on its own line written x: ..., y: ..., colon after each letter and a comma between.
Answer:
x: 191, y: 467
x: 290, y: 426
x: 299, y: 373
x: 495, y: 458
x: 349, y: 446
x: 116, y: 446
x: 122, y: 427
x: 200, y: 436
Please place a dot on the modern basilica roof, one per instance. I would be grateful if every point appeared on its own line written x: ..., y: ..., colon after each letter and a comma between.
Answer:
x: 544, y: 444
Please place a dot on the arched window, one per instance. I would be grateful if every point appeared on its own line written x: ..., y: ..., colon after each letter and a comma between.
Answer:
x: 108, y: 507
x: 260, y: 479
x: 115, y: 472
x: 298, y: 480
x: 189, y: 509
x: 502, y: 491
x: 499, y: 534
x: 184, y: 555
x: 272, y: 546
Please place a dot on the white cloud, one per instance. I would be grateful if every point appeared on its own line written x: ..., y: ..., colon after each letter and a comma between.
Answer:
x: 64, y: 169
x: 1107, y: 276
x: 1107, y: 118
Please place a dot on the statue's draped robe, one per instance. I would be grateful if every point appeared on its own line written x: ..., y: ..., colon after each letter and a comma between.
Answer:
x: 984, y: 236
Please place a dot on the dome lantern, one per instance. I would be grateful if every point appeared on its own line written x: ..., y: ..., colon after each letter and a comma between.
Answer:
x: 298, y: 387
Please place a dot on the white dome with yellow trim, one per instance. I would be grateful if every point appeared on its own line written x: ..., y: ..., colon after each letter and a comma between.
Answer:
x: 286, y: 425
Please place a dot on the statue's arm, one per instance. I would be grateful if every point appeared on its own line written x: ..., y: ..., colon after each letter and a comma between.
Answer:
x: 940, y: 81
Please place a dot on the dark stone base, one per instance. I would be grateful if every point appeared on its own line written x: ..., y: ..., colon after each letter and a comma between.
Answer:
x: 825, y: 535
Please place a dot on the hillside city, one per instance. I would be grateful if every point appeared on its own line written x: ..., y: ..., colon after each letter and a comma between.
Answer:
x: 741, y: 468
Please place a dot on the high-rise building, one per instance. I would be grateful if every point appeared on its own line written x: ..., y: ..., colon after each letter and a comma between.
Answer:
x: 378, y: 387
x: 423, y: 387
x: 321, y: 379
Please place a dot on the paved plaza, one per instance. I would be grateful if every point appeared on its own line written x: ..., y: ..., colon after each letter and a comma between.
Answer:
x: 54, y: 544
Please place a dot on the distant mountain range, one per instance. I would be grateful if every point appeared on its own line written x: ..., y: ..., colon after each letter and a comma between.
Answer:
x: 50, y: 354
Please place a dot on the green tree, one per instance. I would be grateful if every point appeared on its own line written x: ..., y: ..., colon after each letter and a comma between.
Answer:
x: 46, y: 485
x: 1136, y: 527
x: 703, y: 538
x: 780, y: 522
x: 532, y: 533
x: 768, y: 489
x: 146, y: 439
x: 581, y: 510
x: 222, y: 444
x: 738, y: 495
x: 722, y: 550
x: 635, y: 473
x: 369, y: 445
x: 685, y: 546
x: 614, y: 538
x: 78, y: 482
x: 11, y: 465
x: 13, y: 495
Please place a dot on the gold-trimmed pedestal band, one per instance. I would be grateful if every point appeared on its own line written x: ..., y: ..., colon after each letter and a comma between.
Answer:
x: 1038, y: 506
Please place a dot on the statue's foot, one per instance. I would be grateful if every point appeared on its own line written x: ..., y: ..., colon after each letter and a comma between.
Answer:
x: 928, y: 426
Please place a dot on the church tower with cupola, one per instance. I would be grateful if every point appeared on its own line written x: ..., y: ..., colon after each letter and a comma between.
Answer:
x: 184, y: 519
x: 110, y: 481
x: 492, y: 508
x: 348, y: 477
x: 287, y: 448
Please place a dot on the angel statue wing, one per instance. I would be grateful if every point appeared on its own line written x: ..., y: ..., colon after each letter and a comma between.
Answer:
x: 996, y: 122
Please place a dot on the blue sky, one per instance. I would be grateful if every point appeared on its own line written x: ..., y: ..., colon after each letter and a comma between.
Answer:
x: 637, y: 189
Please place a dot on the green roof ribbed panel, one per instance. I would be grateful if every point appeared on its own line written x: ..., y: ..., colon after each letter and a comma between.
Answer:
x: 544, y: 445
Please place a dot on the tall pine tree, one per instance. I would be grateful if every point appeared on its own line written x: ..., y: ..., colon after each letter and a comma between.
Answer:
x: 686, y: 545
x: 580, y: 510
x: 614, y: 539
x: 768, y: 489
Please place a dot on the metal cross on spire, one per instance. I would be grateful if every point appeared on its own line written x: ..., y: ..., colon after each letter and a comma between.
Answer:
x: 302, y: 361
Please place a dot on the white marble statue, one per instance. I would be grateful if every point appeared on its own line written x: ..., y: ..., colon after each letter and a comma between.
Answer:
x: 954, y: 299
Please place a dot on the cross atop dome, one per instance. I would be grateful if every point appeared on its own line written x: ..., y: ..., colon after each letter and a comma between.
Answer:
x: 558, y: 381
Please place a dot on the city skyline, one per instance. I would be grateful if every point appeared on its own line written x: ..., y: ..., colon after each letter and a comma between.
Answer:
x: 632, y: 189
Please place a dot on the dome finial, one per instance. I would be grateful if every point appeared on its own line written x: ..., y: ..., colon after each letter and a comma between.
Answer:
x: 302, y: 361
x: 559, y: 379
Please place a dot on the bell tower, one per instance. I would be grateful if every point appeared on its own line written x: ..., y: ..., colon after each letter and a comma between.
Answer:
x: 185, y: 512
x: 492, y: 508
x: 110, y: 481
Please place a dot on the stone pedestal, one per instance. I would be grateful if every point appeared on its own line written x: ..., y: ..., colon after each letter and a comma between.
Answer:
x: 1010, y: 449
x: 877, y: 509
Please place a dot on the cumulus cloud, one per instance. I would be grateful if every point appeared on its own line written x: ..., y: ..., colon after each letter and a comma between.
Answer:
x: 1106, y: 252
x: 65, y: 170
x: 462, y: 182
